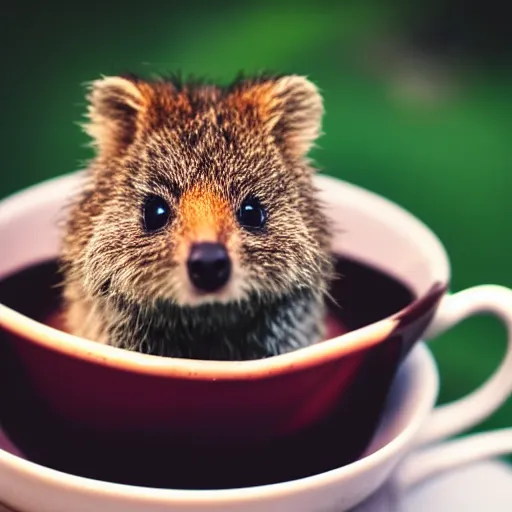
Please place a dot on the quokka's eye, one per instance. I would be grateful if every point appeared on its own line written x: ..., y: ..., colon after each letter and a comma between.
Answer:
x: 155, y: 214
x: 252, y: 215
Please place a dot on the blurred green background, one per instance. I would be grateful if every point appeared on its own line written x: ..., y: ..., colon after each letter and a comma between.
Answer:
x: 418, y: 108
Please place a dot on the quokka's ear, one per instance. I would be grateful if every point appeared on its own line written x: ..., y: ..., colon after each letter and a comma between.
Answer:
x: 291, y: 108
x: 116, y: 106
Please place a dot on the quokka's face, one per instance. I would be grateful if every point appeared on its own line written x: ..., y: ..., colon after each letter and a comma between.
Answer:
x: 208, y: 197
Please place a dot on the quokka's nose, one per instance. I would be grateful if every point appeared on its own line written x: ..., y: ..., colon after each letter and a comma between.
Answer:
x: 209, y: 266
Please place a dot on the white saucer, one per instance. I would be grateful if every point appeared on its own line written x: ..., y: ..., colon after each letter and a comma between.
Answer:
x: 483, y: 487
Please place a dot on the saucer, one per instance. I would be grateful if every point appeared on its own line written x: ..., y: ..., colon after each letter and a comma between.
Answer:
x: 482, y: 487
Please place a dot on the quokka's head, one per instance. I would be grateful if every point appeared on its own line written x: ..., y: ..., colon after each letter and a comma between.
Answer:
x: 204, y: 193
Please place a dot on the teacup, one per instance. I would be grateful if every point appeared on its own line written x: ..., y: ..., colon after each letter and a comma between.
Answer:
x: 196, y: 424
x: 392, y: 464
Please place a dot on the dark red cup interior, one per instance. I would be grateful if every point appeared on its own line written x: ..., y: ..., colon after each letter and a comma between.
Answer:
x: 117, y: 425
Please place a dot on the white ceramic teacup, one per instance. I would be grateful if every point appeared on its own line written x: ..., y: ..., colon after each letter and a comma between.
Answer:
x: 380, y: 234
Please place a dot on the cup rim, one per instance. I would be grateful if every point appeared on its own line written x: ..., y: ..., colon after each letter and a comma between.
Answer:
x: 302, y: 358
x: 420, y: 362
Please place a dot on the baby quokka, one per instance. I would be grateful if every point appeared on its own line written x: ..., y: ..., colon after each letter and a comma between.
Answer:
x: 199, y: 232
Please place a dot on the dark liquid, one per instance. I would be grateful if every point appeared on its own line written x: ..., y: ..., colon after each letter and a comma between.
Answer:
x: 363, y: 295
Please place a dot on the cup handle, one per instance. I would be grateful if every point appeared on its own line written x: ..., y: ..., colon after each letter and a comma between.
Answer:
x: 453, y: 418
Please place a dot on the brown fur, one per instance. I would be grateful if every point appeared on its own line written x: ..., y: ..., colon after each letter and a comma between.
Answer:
x: 204, y: 149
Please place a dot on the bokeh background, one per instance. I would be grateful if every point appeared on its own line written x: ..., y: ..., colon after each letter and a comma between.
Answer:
x: 418, y: 100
